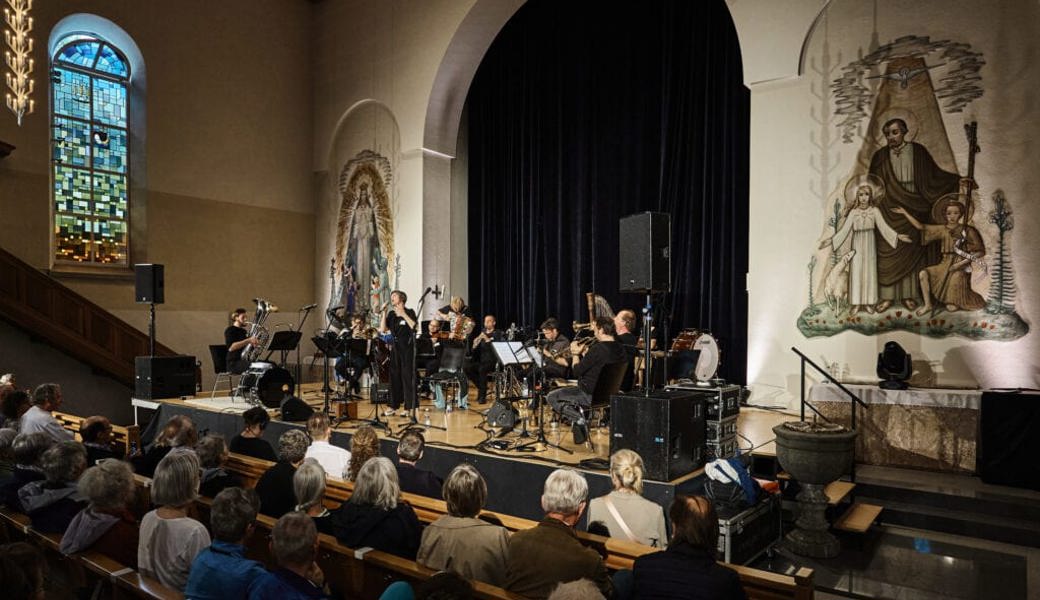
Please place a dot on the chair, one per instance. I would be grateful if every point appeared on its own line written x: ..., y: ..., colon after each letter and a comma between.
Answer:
x: 218, y: 353
x: 447, y: 377
x: 607, y: 384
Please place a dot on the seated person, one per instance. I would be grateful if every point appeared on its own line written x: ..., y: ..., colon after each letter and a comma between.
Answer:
x: 624, y: 322
x: 309, y: 488
x: 213, y: 455
x: 105, y: 525
x: 624, y: 511
x: 179, y: 432
x: 54, y: 502
x: 14, y: 403
x: 483, y: 361
x: 688, y: 568
x: 450, y: 370
x: 170, y: 539
x: 47, y: 398
x: 237, y: 338
x: 251, y: 442
x: 567, y: 400
x: 375, y: 515
x: 333, y: 459
x: 364, y: 444
x: 461, y: 542
x: 23, y: 571
x: 351, y: 365
x: 294, y: 544
x: 413, y: 479
x: 431, y: 363
x: 222, y: 571
x: 26, y: 449
x: 96, y: 433
x: 275, y: 486
x: 550, y: 553
x: 556, y: 349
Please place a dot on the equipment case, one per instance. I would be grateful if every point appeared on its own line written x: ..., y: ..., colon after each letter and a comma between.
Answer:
x: 744, y: 536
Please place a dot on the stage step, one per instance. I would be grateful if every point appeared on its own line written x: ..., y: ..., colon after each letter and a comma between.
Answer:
x: 837, y: 491
x: 858, y: 517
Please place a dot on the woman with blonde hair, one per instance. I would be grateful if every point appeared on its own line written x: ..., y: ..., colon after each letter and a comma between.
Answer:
x: 364, y: 444
x: 624, y: 511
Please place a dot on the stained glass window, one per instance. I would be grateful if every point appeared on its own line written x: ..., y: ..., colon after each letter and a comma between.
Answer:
x: 90, y: 152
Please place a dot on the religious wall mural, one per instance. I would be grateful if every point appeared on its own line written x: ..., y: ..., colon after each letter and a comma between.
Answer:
x: 364, y: 261
x: 911, y: 240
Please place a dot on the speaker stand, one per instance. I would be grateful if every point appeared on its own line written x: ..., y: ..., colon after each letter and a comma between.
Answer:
x: 648, y: 319
x: 151, y: 329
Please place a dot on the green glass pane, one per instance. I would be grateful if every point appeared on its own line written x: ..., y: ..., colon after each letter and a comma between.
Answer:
x: 71, y: 142
x: 109, y: 145
x: 110, y: 195
x: 109, y: 102
x: 110, y: 242
x: 71, y: 94
x: 73, y: 238
x: 72, y: 190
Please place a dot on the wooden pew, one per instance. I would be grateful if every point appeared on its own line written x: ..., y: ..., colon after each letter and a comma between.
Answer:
x: 127, y: 436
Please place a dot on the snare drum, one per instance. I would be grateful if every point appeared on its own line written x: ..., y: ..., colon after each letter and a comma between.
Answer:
x: 266, y: 383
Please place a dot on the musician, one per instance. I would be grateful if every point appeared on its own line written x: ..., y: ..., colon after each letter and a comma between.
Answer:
x: 400, y: 322
x: 236, y: 338
x: 434, y: 334
x: 604, y: 351
x: 450, y: 314
x: 483, y: 361
x: 351, y: 365
x: 624, y: 323
x: 556, y: 347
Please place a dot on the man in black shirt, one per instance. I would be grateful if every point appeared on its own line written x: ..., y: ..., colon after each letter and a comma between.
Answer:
x: 413, y: 479
x: 251, y: 442
x: 556, y: 350
x: 236, y: 338
x: 624, y: 322
x: 400, y: 322
x: 566, y: 400
x: 484, y: 361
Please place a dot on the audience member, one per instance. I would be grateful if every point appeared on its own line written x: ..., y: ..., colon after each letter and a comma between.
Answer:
x: 96, y: 432
x: 179, y: 432
x: 47, y: 398
x: 222, y: 572
x: 444, y: 586
x: 22, y: 570
x: 459, y: 541
x: 580, y: 589
x: 294, y: 544
x: 251, y: 442
x: 413, y: 479
x: 27, y: 449
x: 333, y: 459
x: 7, y: 436
x: 170, y: 540
x: 375, y: 516
x: 106, y: 525
x: 275, y: 486
x: 309, y: 486
x: 13, y: 404
x: 688, y: 568
x: 624, y: 511
x: 213, y: 455
x: 550, y: 553
x: 364, y: 444
x: 54, y: 502
x: 7, y: 379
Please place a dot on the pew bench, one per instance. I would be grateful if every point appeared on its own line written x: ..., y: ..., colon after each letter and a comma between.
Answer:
x: 127, y: 436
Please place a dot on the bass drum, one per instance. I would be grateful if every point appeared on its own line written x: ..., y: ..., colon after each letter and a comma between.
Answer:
x: 266, y: 384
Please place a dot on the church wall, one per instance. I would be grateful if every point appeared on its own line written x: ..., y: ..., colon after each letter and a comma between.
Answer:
x: 799, y: 165
x: 227, y: 196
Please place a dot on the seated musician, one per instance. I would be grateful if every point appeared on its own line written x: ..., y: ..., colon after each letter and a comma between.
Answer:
x: 624, y: 323
x: 353, y: 363
x: 451, y: 313
x: 236, y: 338
x: 428, y: 353
x: 556, y: 348
x: 566, y: 400
x: 484, y: 361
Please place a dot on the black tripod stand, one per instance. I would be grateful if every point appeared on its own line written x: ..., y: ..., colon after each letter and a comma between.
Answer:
x: 538, y: 373
x: 331, y: 346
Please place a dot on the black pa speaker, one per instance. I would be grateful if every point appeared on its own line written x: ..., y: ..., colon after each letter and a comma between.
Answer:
x: 158, y: 377
x: 644, y: 257
x: 666, y: 429
x: 294, y: 409
x: 379, y: 393
x: 149, y: 286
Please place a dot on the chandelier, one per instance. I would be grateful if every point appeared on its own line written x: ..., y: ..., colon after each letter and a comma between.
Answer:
x: 19, y: 63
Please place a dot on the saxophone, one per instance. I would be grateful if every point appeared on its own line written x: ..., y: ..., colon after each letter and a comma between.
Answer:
x: 264, y: 309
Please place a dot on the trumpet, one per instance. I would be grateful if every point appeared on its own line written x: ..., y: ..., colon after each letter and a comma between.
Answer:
x: 576, y: 326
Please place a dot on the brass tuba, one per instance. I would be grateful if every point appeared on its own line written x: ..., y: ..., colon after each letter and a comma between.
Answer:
x: 264, y: 309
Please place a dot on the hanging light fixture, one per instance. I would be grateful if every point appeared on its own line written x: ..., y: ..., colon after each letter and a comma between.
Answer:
x: 18, y: 59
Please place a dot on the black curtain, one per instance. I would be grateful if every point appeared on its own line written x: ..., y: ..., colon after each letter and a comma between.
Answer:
x: 583, y: 112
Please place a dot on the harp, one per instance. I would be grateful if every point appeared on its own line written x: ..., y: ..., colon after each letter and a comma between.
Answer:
x: 598, y: 307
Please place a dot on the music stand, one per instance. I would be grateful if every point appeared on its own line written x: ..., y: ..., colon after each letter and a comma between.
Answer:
x: 284, y: 342
x: 538, y: 360
x: 330, y: 348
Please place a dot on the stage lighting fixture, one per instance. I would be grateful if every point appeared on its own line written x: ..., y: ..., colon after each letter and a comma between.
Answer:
x: 894, y: 367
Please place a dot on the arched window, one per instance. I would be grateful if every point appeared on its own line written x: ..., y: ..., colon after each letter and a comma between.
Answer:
x: 90, y: 152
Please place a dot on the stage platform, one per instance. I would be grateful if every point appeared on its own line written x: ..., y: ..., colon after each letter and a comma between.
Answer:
x: 514, y: 477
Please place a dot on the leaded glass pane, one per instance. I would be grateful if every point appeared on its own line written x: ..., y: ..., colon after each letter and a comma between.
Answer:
x: 80, y: 53
x: 71, y: 142
x: 73, y: 238
x: 109, y: 146
x: 72, y: 190
x: 110, y: 62
x: 109, y: 102
x: 110, y: 195
x: 110, y: 241
x: 72, y: 94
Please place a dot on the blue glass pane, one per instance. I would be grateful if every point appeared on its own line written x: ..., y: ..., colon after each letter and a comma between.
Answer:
x: 80, y: 53
x: 72, y: 94
x: 71, y: 142
x: 109, y: 102
x: 110, y: 62
x: 109, y: 144
x: 110, y: 195
x: 72, y: 190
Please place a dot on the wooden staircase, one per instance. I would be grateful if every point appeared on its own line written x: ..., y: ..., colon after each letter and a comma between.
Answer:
x: 858, y: 516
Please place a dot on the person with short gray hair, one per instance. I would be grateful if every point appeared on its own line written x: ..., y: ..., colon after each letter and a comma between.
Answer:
x: 170, y: 540
x: 579, y: 589
x: 54, y: 502
x: 275, y: 486
x: 47, y: 398
x: 375, y: 516
x: 413, y: 479
x: 294, y: 544
x: 26, y: 449
x: 222, y: 571
x: 213, y: 455
x: 460, y: 541
x: 309, y: 487
x: 550, y: 553
x: 105, y: 526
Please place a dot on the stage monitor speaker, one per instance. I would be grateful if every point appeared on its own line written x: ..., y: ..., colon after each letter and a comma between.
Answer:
x: 294, y: 409
x: 149, y: 284
x: 666, y: 429
x: 644, y: 253
x: 380, y: 393
x: 158, y: 377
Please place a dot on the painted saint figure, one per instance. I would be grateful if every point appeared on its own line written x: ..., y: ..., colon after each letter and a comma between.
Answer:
x: 862, y: 219
x: 364, y: 234
x: 948, y: 282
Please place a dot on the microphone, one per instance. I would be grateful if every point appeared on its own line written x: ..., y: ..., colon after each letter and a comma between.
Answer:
x: 309, y: 306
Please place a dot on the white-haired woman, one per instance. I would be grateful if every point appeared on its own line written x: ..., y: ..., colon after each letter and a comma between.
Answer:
x: 106, y: 525
x: 170, y: 539
x: 309, y: 487
x: 375, y: 516
x: 624, y: 511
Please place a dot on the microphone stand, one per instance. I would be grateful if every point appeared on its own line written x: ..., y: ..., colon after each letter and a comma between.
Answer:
x: 299, y: 371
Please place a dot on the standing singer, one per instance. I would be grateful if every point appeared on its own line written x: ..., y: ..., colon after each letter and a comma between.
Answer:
x: 400, y: 322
